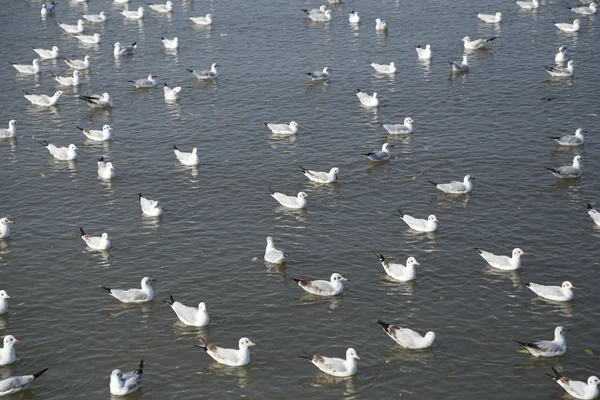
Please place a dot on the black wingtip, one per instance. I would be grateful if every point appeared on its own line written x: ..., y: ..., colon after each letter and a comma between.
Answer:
x: 107, y: 289
x: 296, y: 280
x: 384, y: 325
x: 140, y: 369
x: 44, y: 143
x: 401, y: 213
x: 381, y: 258
x: 271, y: 190
x: 492, y: 38
x: 38, y: 374
x: 557, y: 374
x: 552, y: 170
x: 526, y: 283
x: 175, y: 147
x: 140, y: 195
x: 306, y: 355
x: 302, y: 169
x: 190, y: 70
x: 202, y: 347
x: 134, y: 44
x: 477, y: 250
x: 433, y: 183
x: 357, y: 90
x: 162, y: 38
x: 80, y: 128
x: 589, y: 207
x: 81, y: 231
x: 554, y: 137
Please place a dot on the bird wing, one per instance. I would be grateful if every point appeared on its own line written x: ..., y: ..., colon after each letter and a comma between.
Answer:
x: 318, y: 287
x: 284, y: 199
x: 222, y: 355
x: 414, y: 222
x: 452, y: 187
x: 130, y: 295
x: 329, y: 365
x: 495, y: 260
x: 543, y: 290
x: 185, y: 313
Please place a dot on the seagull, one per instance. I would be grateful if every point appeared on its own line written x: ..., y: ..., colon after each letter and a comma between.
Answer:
x: 7, y: 353
x: 34, y: 68
x: 554, y: 293
x: 353, y: 17
x: 321, y: 177
x: 570, y: 140
x: 578, y: 389
x: 562, y: 72
x: 73, y: 28
x: 206, y: 74
x: 333, y: 287
x: 477, y: 44
x: 420, y: 225
x: 401, y: 129
x: 381, y: 155
x: 11, y: 131
x: 162, y: 8
x: 78, y: 64
x: 589, y: 10
x: 456, y: 187
x: 462, y: 67
x: 98, y: 100
x: 230, y: 357
x: 384, y: 68
x: 189, y: 315
x: 145, y: 83
x: 206, y: 20
x: 3, y: 297
x: 171, y: 93
x: 548, y: 348
x: 366, y: 99
x: 591, y: 211
x: 528, y: 4
x: 42, y: 100
x: 400, y: 272
x: 125, y: 383
x: 320, y: 75
x: 48, y: 9
x: 272, y: 255
x: 292, y: 202
x: 568, y: 171
x: 68, y: 80
x: 96, y: 242
x: 324, y: 17
x: 566, y: 27
x: 95, y: 17
x: 96, y: 135
x: 14, y: 384
x: 46, y: 54
x: 503, y: 262
x: 407, y: 338
x: 187, y: 158
x: 380, y: 25
x: 105, y: 171
x: 283, y: 129
x: 138, y: 14
x: 119, y: 50
x: 4, y: 228
x: 150, y: 208
x: 62, y: 153
x: 321, y: 10
x: 561, y: 56
x: 424, y: 53
x: 89, y: 39
x: 490, y: 18
x: 170, y: 44
x: 335, y: 366
x: 134, y: 295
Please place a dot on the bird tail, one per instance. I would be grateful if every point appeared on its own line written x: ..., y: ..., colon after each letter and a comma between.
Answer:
x: 140, y: 370
x: 271, y: 190
x: 589, y: 207
x: 81, y: 231
x: 306, y: 355
x: 381, y: 257
x: 521, y: 343
x: 357, y: 91
x: 401, y: 213
x: 44, y: 143
x: 554, y: 137
x: 134, y: 45
x: 171, y: 301
x: 174, y: 147
x: 557, y: 376
x: 295, y: 280
x: 302, y: 169
x: 204, y: 346
x: 140, y: 195
x: 190, y: 70
x: 101, y: 159
x: 477, y: 250
x: 490, y: 39
x: 107, y: 289
x: 383, y: 324
x: 38, y: 374
x: 433, y: 183
x: 80, y: 128
x: 552, y: 170
x: 526, y: 283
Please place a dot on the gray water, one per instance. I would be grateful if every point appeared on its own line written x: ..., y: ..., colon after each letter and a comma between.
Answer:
x: 208, y: 246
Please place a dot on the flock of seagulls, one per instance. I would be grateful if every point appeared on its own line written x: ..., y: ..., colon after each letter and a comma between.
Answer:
x: 126, y: 383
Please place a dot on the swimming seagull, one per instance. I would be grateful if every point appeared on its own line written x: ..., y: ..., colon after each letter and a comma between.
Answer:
x: 125, y: 383
x: 171, y: 93
x: 320, y: 75
x: 528, y: 4
x: 189, y: 159
x: 383, y: 68
x: 321, y: 177
x: 477, y: 44
x: 294, y: 202
x: 189, y: 315
x: 381, y: 155
x: 98, y: 100
x: 46, y: 54
x: 14, y: 384
x: 353, y: 17
x: 578, y: 389
x: 73, y: 28
x: 170, y: 44
x: 407, y: 338
x: 461, y: 67
x: 562, y: 72
x: 206, y: 74
x: 138, y: 14
x: 150, y: 208
x: 106, y: 170
x: 4, y: 228
x: 589, y: 10
x: 335, y: 366
x: 272, y: 255
x: 570, y: 140
x: 380, y: 25
x: 96, y: 135
x: 34, y: 68
x: 591, y: 211
x: 142, y: 295
x: 566, y: 27
x: 316, y: 11
x: 119, y: 50
x: 95, y: 242
x: 89, y: 39
x: 503, y: 262
x: 490, y: 18
x: 95, y: 17
x: 555, y: 293
x: 78, y: 64
x: 11, y: 131
x: 68, y: 80
x: 568, y: 171
x: 62, y: 153
x: 162, y: 8
x: 206, y: 20
x: 145, y: 83
x: 325, y: 17
x: 456, y: 187
x: 333, y: 287
x: 548, y: 348
x: 43, y: 100
x: 283, y: 129
x: 420, y: 225
x: 400, y: 129
x: 400, y: 272
x: 48, y: 9
x: 424, y: 53
x: 7, y: 353
x: 230, y: 357
x: 366, y: 99
x: 561, y: 56
x: 3, y: 297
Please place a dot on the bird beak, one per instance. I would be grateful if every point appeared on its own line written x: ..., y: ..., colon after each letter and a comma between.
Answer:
x: 153, y: 280
x: 18, y: 123
x: 11, y: 222
x: 308, y: 195
x: 436, y: 220
x: 357, y: 357
x: 17, y: 341
x: 252, y: 344
x: 76, y: 148
x: 525, y: 254
x: 345, y: 279
x: 112, y: 167
x: 8, y: 297
x: 568, y: 330
x: 417, y: 263
x: 298, y: 124
x: 573, y: 287
x: 414, y: 121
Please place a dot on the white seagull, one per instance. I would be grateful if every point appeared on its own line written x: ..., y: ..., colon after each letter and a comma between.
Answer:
x: 589, y: 10
x: 320, y: 75
x: 125, y: 383
x: 424, y: 53
x: 98, y: 100
x: 272, y: 255
x: 562, y: 72
x: 566, y: 27
x: 150, y: 82
x: 490, y: 18
x: 48, y: 9
x: 324, y: 17
x: 14, y: 384
x: 46, y: 54
x: 380, y: 25
x: 43, y: 100
x: 400, y: 129
x: 380, y: 155
x: 189, y: 315
x: 548, y: 348
x: 78, y: 64
x: 98, y: 135
x: 384, y: 68
x: 400, y: 272
x: 89, y: 39
x: 293, y: 202
x: 366, y: 99
x: 68, y: 80
x: 316, y: 11
x: 283, y: 129
x: 593, y: 213
x: 503, y: 262
x: 5, y: 228
x: 206, y: 74
x: 420, y: 225
x: 150, y: 208
x: 463, y: 66
x: 106, y: 170
x: 407, y: 338
x: 321, y: 177
x: 171, y: 93
x: 579, y: 390
x: 456, y: 187
x: 353, y: 17
x: 95, y: 17
x: 7, y: 353
x: 32, y: 69
x: 528, y: 4
x: 170, y: 44
x: 162, y: 8
x: 332, y: 287
x: 230, y: 357
x: 11, y: 131
x: 95, y: 242
x: 119, y: 50
x: 563, y: 292
x: 73, y: 28
x: 184, y: 158
x: 476, y: 44
x: 568, y: 171
x: 62, y: 153
x: 335, y: 366
x: 206, y: 20
x: 138, y: 14
x: 570, y: 140
x: 4, y: 300
x: 561, y: 56
x: 142, y: 295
